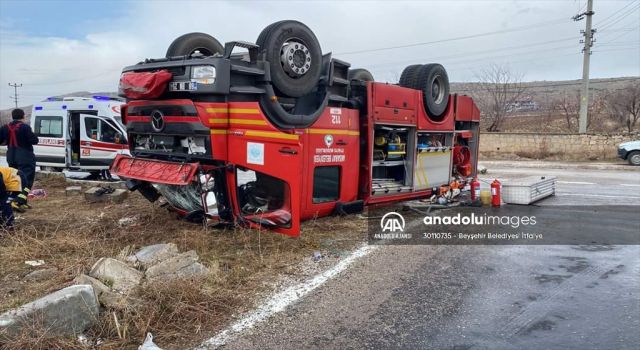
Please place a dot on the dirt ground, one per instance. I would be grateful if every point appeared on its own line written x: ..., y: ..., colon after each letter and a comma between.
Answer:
x: 70, y: 235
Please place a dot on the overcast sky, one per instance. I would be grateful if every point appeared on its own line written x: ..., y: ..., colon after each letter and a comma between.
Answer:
x: 56, y: 47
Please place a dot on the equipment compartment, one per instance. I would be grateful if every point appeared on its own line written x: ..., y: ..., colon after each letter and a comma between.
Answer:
x: 433, y: 160
x: 392, y: 159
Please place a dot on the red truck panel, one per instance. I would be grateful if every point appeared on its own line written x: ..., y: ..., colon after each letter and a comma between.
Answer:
x: 466, y: 110
x: 427, y: 124
x: 393, y: 104
x: 155, y: 171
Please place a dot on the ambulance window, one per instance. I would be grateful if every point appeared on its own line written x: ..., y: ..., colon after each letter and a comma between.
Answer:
x: 91, y: 127
x: 326, y: 184
x: 107, y: 132
x: 46, y: 126
x: 99, y: 130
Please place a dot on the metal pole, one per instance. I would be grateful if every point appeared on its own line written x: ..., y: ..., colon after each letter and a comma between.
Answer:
x: 586, y: 51
x: 15, y: 92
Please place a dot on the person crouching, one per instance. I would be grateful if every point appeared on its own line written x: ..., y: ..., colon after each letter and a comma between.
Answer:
x: 10, y: 185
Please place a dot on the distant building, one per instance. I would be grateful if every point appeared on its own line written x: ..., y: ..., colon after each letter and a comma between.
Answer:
x: 522, y: 106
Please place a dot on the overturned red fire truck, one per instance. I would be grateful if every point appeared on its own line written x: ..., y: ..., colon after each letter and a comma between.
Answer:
x: 273, y: 133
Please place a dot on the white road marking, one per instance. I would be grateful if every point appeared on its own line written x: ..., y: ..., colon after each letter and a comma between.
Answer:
x: 630, y: 185
x: 576, y: 182
x: 622, y: 196
x: 281, y: 300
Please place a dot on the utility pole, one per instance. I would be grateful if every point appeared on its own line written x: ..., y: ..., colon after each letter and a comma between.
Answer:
x: 15, y: 92
x: 586, y: 52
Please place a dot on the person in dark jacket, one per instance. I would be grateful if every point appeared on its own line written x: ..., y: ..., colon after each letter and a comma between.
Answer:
x: 20, y: 139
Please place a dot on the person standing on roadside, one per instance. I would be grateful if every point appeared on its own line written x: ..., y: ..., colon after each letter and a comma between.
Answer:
x: 20, y: 139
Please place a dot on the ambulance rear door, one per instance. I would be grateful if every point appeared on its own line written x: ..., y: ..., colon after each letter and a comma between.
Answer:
x: 51, y: 126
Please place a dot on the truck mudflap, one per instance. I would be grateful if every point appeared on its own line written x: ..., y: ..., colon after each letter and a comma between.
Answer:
x: 154, y: 171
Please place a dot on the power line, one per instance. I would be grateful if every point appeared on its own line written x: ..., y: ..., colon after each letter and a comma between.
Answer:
x: 614, y: 13
x: 15, y: 93
x: 474, y: 53
x: 514, y: 29
x: 620, y: 18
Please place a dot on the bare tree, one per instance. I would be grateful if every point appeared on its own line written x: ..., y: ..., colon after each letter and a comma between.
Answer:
x: 569, y: 106
x: 500, y: 88
x: 624, y: 105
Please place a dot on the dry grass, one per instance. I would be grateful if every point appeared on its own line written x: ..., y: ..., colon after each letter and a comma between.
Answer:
x: 70, y: 235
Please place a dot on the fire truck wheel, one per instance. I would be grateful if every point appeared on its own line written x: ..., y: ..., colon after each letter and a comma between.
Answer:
x: 294, y: 56
x: 409, y: 76
x: 360, y: 74
x: 434, y: 83
x: 191, y: 43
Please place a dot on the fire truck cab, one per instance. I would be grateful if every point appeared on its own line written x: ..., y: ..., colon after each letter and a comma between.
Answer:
x: 79, y: 133
x: 280, y: 133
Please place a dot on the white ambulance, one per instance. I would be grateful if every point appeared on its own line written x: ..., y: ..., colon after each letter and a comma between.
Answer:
x: 78, y: 133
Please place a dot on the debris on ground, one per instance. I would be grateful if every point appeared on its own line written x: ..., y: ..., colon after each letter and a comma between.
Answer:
x: 37, y: 193
x: 73, y: 190
x: 106, y: 297
x: 40, y: 275
x: 105, y: 193
x: 68, y: 311
x: 185, y: 265
x: 149, y: 344
x: 116, y: 274
x: 128, y: 221
x: 153, y: 254
x: 317, y: 256
x: 34, y: 263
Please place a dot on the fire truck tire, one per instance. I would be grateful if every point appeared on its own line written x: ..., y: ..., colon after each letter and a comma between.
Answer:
x: 265, y: 32
x: 360, y: 74
x: 285, y: 120
x: 434, y: 84
x: 409, y: 76
x: 293, y: 75
x: 190, y: 43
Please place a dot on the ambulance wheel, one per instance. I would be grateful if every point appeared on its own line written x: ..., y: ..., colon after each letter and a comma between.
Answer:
x: 360, y: 74
x: 409, y: 76
x: 434, y: 84
x: 188, y: 44
x: 294, y: 56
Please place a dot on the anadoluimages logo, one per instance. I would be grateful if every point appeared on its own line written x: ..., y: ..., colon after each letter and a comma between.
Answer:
x: 392, y: 222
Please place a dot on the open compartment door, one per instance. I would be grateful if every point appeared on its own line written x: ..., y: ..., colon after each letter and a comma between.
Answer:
x: 266, y: 182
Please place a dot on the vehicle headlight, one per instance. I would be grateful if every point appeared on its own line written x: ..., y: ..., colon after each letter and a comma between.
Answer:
x: 203, y: 74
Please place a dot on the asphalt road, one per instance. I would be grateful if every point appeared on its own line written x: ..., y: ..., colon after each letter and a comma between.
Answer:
x: 480, y: 297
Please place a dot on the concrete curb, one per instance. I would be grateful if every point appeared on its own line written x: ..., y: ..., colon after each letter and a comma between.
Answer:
x: 557, y: 165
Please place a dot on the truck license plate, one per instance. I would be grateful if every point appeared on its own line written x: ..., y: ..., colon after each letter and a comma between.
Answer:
x: 183, y: 86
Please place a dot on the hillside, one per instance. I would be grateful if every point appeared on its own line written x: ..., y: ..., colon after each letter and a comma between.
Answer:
x: 542, y: 93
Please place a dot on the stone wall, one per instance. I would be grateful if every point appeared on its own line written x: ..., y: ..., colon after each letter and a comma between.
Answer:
x: 552, y: 146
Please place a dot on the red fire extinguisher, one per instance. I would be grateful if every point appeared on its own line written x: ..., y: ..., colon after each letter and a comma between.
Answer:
x: 495, y: 193
x: 475, y: 189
